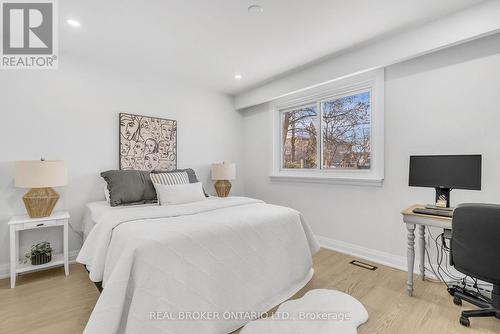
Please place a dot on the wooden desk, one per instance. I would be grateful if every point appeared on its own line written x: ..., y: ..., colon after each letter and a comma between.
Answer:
x: 411, y: 220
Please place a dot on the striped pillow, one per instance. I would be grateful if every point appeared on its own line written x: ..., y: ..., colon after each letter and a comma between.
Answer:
x: 170, y: 178
x: 190, y: 172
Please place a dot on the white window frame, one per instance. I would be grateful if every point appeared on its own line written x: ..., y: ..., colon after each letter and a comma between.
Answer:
x: 372, y: 81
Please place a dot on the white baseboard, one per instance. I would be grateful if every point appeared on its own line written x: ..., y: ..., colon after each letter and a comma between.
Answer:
x: 5, y: 267
x: 373, y: 255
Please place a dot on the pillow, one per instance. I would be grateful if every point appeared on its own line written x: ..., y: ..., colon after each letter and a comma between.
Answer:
x: 180, y: 193
x: 129, y: 187
x: 190, y: 173
x: 106, y: 192
x: 169, y: 178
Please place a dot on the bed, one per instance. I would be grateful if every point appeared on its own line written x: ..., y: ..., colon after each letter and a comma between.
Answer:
x: 230, y: 259
x: 94, y: 211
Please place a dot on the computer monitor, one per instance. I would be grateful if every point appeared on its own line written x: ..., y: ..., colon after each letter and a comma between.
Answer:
x: 445, y: 172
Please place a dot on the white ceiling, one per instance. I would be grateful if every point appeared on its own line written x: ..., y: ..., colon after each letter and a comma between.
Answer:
x: 205, y: 42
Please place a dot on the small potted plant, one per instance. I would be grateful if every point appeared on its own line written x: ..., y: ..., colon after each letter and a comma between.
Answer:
x: 40, y: 253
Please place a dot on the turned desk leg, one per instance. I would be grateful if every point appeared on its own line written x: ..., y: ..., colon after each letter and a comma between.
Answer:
x: 421, y: 246
x: 410, y: 253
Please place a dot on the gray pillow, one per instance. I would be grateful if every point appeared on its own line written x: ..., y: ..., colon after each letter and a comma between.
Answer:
x: 190, y: 172
x: 129, y: 187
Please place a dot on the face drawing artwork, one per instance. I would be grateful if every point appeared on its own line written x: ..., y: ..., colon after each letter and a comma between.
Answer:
x: 151, y: 161
x: 150, y: 146
x: 146, y: 128
x: 139, y: 163
x: 147, y: 142
x: 126, y: 162
x: 167, y: 130
x: 139, y: 148
x: 125, y: 147
x: 166, y: 165
x: 155, y: 128
x: 129, y: 127
x: 163, y: 149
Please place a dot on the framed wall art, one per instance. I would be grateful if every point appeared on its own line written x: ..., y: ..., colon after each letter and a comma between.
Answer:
x: 147, y: 143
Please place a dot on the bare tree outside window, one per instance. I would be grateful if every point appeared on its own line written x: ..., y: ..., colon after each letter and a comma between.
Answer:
x: 346, y: 132
x: 345, y: 125
x: 299, y: 138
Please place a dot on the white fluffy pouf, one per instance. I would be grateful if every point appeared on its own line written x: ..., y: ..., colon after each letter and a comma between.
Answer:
x: 320, y: 311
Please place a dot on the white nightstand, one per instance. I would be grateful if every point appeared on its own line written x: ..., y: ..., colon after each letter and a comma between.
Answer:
x: 20, y: 223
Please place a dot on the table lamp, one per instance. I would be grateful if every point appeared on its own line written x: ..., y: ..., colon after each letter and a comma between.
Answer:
x: 222, y: 173
x: 40, y: 176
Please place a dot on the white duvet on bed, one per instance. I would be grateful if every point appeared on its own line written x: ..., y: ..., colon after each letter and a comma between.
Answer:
x: 218, y: 255
x: 95, y: 210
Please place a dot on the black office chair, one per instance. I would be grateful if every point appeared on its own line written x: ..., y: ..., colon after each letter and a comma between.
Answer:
x: 475, y: 251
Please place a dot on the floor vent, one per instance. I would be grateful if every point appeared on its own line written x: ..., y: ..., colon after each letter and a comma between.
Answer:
x: 363, y: 265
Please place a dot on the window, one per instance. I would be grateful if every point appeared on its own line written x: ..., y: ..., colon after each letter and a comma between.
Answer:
x: 346, y: 133
x: 334, y: 133
x: 300, y: 137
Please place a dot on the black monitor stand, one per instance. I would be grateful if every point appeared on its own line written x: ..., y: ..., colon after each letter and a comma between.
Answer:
x: 443, y: 193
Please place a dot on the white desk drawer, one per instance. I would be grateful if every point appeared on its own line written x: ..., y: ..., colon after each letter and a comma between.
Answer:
x: 34, y: 225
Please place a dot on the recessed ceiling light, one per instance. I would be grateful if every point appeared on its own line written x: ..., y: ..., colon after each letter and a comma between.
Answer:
x: 73, y: 23
x: 238, y: 76
x: 255, y: 9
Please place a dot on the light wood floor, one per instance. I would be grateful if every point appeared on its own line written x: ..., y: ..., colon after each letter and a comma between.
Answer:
x: 49, y: 302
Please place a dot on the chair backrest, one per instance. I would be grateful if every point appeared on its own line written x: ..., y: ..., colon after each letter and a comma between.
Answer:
x: 475, y: 243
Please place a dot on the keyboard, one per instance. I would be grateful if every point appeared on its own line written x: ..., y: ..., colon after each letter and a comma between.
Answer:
x: 434, y: 212
x: 429, y: 206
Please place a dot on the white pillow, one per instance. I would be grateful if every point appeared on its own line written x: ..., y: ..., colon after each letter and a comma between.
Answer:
x: 179, y: 193
x: 106, y: 192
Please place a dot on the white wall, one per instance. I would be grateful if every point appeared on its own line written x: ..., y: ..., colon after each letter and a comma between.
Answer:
x: 447, y: 102
x: 72, y: 114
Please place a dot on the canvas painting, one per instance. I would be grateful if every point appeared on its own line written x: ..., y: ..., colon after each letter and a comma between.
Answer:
x: 147, y: 143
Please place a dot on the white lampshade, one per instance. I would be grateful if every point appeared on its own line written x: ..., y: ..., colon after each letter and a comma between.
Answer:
x: 223, y: 171
x: 40, y: 174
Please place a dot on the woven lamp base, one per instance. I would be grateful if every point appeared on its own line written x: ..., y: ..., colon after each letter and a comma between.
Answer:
x: 222, y: 187
x: 40, y: 202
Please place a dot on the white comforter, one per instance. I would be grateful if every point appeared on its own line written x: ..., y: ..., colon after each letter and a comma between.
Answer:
x: 159, y: 264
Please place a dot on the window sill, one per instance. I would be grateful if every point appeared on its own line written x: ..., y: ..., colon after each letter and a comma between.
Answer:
x: 328, y: 179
